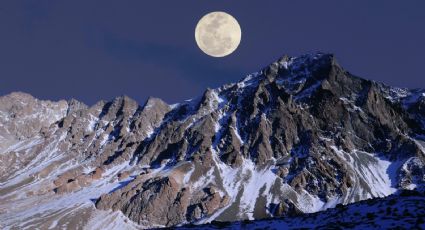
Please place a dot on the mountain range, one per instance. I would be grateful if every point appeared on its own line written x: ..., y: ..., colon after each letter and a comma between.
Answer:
x: 300, y: 136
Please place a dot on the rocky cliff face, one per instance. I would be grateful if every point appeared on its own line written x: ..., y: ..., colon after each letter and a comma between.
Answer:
x: 300, y: 136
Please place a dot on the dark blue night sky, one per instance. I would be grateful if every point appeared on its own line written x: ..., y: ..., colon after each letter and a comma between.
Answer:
x: 93, y: 50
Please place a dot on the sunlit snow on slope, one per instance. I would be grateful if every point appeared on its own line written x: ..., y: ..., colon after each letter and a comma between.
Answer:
x: 255, y: 181
x: 376, y: 172
x: 110, y: 220
x: 22, y: 145
x: 49, y: 154
x: 27, y: 209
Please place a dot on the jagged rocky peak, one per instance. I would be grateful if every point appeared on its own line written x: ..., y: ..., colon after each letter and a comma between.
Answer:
x: 119, y: 106
x: 301, y: 76
x: 299, y: 136
x: 150, y: 116
x: 22, y: 104
x: 156, y: 106
x: 23, y: 116
x: 75, y: 105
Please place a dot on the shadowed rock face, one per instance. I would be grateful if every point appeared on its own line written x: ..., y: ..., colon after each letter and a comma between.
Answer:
x: 299, y: 136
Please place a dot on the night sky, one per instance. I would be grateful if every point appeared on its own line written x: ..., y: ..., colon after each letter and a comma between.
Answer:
x: 93, y: 50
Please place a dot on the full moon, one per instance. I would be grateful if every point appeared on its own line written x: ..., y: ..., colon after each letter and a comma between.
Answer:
x: 218, y: 34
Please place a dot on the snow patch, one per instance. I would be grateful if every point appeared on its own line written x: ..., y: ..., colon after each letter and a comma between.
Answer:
x: 253, y: 181
x: 308, y: 203
x: 111, y: 220
x: 92, y: 123
x: 377, y: 172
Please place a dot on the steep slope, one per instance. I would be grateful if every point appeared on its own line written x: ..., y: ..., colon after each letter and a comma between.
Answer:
x: 300, y: 136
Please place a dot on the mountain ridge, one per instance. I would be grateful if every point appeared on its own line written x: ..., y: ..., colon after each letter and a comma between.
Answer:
x: 316, y: 135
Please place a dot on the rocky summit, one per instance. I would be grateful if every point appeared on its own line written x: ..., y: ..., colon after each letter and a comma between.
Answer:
x: 298, y: 137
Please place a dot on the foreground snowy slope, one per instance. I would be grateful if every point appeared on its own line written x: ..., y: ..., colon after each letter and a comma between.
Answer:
x: 402, y: 211
x: 300, y: 136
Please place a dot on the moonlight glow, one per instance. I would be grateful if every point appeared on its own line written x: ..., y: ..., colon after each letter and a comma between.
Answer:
x: 218, y: 34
